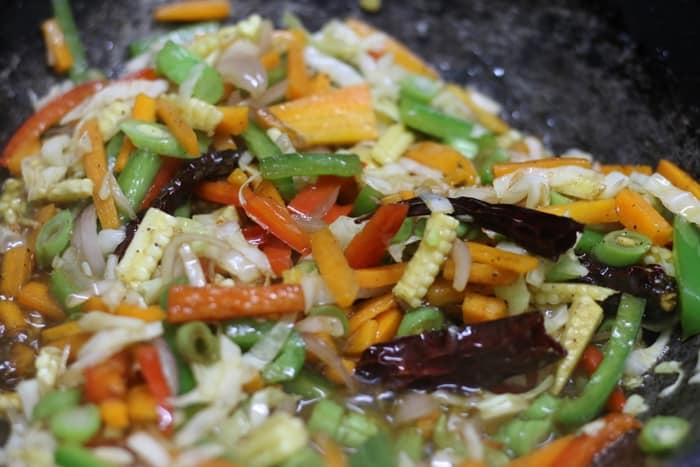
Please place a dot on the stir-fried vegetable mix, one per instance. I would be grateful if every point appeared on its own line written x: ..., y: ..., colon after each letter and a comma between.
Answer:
x: 269, y: 247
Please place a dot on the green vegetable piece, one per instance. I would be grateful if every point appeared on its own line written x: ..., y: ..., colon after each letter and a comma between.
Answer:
x: 196, y: 343
x: 76, y: 424
x: 179, y: 36
x: 56, y: 401
x: 404, y: 232
x: 304, y: 457
x: 419, y: 227
x: 467, y: 147
x: 420, y: 88
x: 113, y: 147
x: 566, y: 268
x: 376, y: 451
x: 73, y: 455
x: 589, y: 239
x: 138, y: 174
x: 447, y: 439
x: 367, y: 201
x: 246, y: 332
x: 355, y: 429
x: 278, y: 73
x: 464, y: 230
x: 334, y: 312
x: 484, y: 165
x: 54, y: 237
x: 61, y: 286
x: 521, y: 436
x: 556, y: 198
x: 433, y: 122
x: 585, y: 407
x: 545, y: 406
x: 185, y: 210
x: 310, y: 385
x: 177, y: 63
x: 182, y: 280
x: 288, y: 363
x: 185, y: 378
x: 421, y: 320
x: 262, y: 147
x: 663, y: 434
x: 410, y: 442
x: 686, y: 249
x: 310, y: 165
x: 64, y: 16
x: 157, y: 139
x: 622, y: 248
x: 325, y: 418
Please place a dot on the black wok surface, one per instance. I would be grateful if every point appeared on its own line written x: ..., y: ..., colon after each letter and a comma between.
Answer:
x: 619, y: 79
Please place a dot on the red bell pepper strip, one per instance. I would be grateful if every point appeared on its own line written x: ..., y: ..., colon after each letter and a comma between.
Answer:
x: 167, y: 171
x: 146, y: 73
x: 590, y: 361
x: 278, y: 254
x: 47, y: 116
x: 336, y: 211
x: 218, y: 191
x: 107, y: 380
x: 255, y: 235
x: 368, y: 247
x: 275, y: 218
x: 316, y: 200
x: 149, y: 361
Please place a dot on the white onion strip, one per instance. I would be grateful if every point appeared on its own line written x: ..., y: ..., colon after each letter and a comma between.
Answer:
x: 463, y: 264
x: 324, y: 324
x: 413, y: 406
x: 86, y: 240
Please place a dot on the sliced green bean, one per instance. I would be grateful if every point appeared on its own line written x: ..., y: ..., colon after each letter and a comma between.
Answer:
x: 54, y: 237
x: 177, y: 63
x: 62, y: 286
x: 56, y: 401
x: 138, y: 175
x: 76, y: 424
x: 334, y: 312
x: 310, y: 385
x: 73, y: 455
x: 297, y: 164
x: 261, y: 146
x: 420, y: 320
x: 289, y: 361
x: 622, y: 248
x: 589, y: 239
x: 663, y: 434
x: 196, y: 343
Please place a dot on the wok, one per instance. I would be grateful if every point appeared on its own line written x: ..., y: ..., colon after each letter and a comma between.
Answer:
x: 618, y: 79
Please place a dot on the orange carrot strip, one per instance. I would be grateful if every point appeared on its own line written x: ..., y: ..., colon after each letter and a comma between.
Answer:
x: 317, y: 120
x: 16, y: 270
x: 370, y: 309
x: 626, y: 169
x: 67, y: 329
x: 144, y: 108
x: 503, y: 259
x: 456, y: 168
x: 211, y: 302
x: 362, y: 338
x: 586, y: 212
x: 36, y: 296
x: 151, y: 313
x: 298, y: 83
x: 95, y: 303
x: 184, y: 133
x: 380, y: 276
x: 270, y: 59
x: 193, y: 10
x: 335, y: 270
x: 544, y: 456
x: 57, y: 50
x: 481, y: 274
x: 505, y: 168
x: 124, y: 154
x: 477, y: 308
x: 234, y: 121
x: 114, y: 413
x: 637, y: 214
x: 678, y: 177
x: 11, y: 317
x: 402, y: 54
x: 387, y: 325
x: 218, y: 191
x: 95, y: 165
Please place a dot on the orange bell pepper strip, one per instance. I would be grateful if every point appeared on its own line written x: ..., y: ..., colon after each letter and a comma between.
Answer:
x: 380, y: 276
x: 635, y: 213
x: 334, y: 268
x: 278, y: 254
x: 107, y: 380
x: 626, y: 169
x: 234, y: 120
x: 368, y: 247
x: 95, y: 164
x: 16, y: 270
x: 456, y: 168
x: 58, y: 53
x: 47, y: 116
x: 193, y: 10
x: 586, y: 212
x: 298, y: 83
x: 218, y: 191
x: 500, y: 258
x: 277, y: 219
x: 212, y: 302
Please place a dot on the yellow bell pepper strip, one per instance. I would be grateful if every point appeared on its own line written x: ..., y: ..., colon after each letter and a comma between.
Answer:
x: 16, y: 270
x: 192, y: 10
x: 477, y: 308
x: 586, y: 212
x: 334, y: 268
x: 505, y: 168
x: 638, y: 215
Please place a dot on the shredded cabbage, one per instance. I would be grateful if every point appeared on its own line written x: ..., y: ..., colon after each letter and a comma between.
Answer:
x: 641, y: 360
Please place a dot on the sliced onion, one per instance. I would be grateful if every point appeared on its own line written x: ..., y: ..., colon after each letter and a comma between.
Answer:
x: 308, y: 224
x: 152, y: 452
x: 330, y: 358
x: 273, y: 94
x: 167, y: 364
x: 315, y: 291
x: 193, y: 268
x: 240, y: 64
x: 463, y: 264
x: 325, y: 324
x: 109, y: 239
x: 119, y: 197
x: 437, y: 203
x: 86, y: 240
x: 415, y: 405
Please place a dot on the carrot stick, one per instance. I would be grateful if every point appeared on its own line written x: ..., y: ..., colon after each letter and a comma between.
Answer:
x: 234, y: 121
x: 335, y: 270
x: 218, y: 191
x: 63, y: 330
x: 477, y: 308
x: 402, y: 54
x: 505, y: 168
x: 479, y: 273
x: 211, y: 302
x: 387, y: 325
x: 678, y: 177
x: 124, y: 154
x: 298, y: 83
x: 543, y: 456
x: 36, y: 296
x: 184, y: 133
x: 317, y: 121
x: 371, y: 309
x: 637, y: 214
x: 380, y: 276
x: 503, y: 259
x: 586, y: 212
x: 95, y: 165
x: 363, y: 337
x: 58, y: 53
x: 16, y: 270
x: 270, y: 59
x: 333, y: 455
x: 626, y: 169
x: 193, y: 10
x: 456, y: 168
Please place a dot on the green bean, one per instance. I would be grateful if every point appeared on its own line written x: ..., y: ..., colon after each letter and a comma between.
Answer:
x: 290, y: 165
x: 56, y: 401
x: 64, y: 17
x: 588, y: 240
x: 261, y: 146
x: 420, y: 320
x: 196, y: 343
x: 177, y: 63
x: 246, y: 332
x: 114, y: 145
x: 76, y: 424
x: 410, y: 442
x: 310, y: 385
x: 332, y: 311
x: 157, y: 139
x: 73, y: 455
x: 420, y: 88
x: 377, y: 451
x: 622, y: 248
x: 367, y: 201
x: 138, y: 174
x: 434, y: 122
x: 61, y: 287
x: 289, y: 361
x: 355, y: 429
x: 326, y: 417
x: 185, y: 378
x: 662, y: 434
x: 54, y: 237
